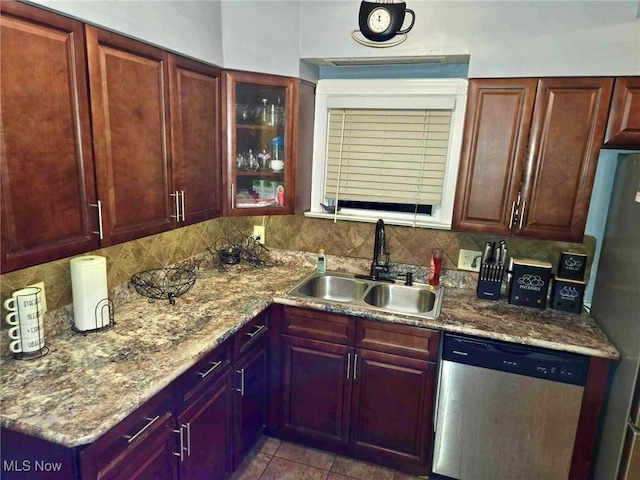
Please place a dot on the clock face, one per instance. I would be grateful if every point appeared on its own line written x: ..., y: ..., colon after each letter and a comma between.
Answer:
x: 379, y: 20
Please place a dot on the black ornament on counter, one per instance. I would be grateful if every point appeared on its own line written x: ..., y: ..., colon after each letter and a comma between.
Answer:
x: 237, y: 248
x: 165, y: 283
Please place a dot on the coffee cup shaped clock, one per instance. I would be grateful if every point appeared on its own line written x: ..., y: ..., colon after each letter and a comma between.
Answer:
x: 381, y: 21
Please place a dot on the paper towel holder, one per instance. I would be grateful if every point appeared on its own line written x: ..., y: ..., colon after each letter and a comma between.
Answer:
x: 105, y: 303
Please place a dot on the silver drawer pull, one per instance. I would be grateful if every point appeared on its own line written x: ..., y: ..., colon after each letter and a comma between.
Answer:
x: 257, y: 331
x: 188, y: 427
x: 513, y: 210
x: 524, y: 206
x: 355, y: 366
x: 181, y: 454
x: 131, y: 438
x: 241, y: 389
x: 98, y: 205
x: 176, y: 194
x: 182, y: 204
x: 215, y: 365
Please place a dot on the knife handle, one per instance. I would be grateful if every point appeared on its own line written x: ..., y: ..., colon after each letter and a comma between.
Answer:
x: 487, y: 253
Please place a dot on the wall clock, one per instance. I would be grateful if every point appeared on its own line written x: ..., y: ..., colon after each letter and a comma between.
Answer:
x: 381, y: 21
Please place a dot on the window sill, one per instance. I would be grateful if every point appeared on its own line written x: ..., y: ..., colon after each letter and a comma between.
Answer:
x: 421, y: 223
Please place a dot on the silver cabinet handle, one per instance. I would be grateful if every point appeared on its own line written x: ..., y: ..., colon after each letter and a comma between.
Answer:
x: 181, y: 452
x: 256, y: 331
x: 215, y: 365
x: 241, y: 389
x: 177, y: 205
x: 188, y: 427
x: 524, y: 206
x: 513, y: 210
x: 182, y: 204
x: 348, y: 364
x: 131, y: 438
x: 355, y: 366
x: 98, y: 205
x: 233, y: 197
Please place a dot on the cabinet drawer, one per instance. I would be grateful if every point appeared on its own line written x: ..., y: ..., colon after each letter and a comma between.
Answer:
x: 132, y: 433
x: 250, y: 334
x: 205, y: 372
x: 405, y: 340
x: 318, y: 325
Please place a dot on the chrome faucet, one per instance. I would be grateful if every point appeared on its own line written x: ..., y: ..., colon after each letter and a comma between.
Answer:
x: 380, y: 262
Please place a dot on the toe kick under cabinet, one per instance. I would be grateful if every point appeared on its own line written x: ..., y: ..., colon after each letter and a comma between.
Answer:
x: 359, y: 388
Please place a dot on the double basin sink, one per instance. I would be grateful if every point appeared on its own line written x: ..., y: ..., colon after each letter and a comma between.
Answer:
x: 418, y: 299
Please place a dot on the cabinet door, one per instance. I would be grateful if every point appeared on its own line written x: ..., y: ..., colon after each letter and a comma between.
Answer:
x: 623, y: 127
x: 260, y: 113
x: 568, y: 125
x: 251, y: 399
x: 317, y: 391
x: 494, y: 147
x: 45, y: 155
x: 206, y: 433
x: 392, y: 409
x: 151, y: 459
x: 195, y: 123
x: 130, y: 113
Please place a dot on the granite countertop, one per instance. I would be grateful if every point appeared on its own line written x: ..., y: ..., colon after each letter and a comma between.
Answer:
x: 87, y: 384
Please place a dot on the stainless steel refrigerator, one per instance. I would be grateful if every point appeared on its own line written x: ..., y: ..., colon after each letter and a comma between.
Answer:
x: 616, y: 308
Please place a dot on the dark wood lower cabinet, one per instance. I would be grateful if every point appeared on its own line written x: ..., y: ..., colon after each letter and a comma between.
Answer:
x: 392, y: 407
x: 152, y: 459
x: 206, y: 433
x: 250, y: 399
x: 375, y: 404
x: 316, y: 390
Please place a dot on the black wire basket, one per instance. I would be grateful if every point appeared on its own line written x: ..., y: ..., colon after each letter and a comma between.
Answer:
x: 164, y: 283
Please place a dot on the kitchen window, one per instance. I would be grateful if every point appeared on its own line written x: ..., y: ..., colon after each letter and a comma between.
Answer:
x: 387, y: 149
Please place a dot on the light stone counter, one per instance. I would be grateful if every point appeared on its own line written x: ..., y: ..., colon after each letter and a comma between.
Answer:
x: 87, y: 384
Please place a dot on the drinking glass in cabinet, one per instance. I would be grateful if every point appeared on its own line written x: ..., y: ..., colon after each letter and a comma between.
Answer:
x: 260, y: 163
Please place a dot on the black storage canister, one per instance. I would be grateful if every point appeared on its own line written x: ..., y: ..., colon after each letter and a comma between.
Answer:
x: 567, y: 295
x: 572, y: 265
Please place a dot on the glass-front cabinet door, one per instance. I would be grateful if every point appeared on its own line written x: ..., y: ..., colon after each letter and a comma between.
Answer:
x: 259, y: 152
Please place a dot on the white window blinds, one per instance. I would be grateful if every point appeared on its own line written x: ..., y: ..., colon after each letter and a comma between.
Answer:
x: 394, y: 156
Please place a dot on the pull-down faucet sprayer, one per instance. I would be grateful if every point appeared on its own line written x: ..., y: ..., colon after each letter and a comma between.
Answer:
x: 380, y: 262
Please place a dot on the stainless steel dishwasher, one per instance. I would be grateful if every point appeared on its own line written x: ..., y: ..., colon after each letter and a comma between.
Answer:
x: 505, y: 411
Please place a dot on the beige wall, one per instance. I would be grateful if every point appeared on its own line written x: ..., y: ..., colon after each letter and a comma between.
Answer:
x: 289, y: 232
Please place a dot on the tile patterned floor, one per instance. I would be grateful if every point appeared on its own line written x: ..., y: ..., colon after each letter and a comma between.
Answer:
x: 272, y: 459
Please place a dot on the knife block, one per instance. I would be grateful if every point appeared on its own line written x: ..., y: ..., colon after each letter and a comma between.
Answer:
x: 489, y: 282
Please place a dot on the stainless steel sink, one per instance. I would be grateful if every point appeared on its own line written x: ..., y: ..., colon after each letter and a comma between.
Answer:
x: 401, y: 298
x: 419, y: 299
x: 333, y: 287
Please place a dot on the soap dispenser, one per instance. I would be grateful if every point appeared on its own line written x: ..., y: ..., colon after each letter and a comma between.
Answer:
x: 322, y: 260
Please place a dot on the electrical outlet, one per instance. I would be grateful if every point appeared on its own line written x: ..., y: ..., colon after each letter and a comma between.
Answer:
x: 466, y: 260
x: 43, y: 296
x: 259, y: 233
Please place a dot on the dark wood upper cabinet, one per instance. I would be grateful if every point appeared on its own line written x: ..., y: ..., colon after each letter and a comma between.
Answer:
x: 195, y: 125
x: 130, y: 111
x: 570, y: 117
x: 494, y: 147
x: 260, y: 111
x: 529, y: 156
x: 46, y: 157
x: 623, y: 129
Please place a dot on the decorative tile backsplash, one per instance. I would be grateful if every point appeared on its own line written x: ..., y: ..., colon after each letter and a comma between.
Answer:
x: 406, y: 245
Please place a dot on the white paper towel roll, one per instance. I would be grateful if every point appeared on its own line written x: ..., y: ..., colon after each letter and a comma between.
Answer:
x: 89, y: 285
